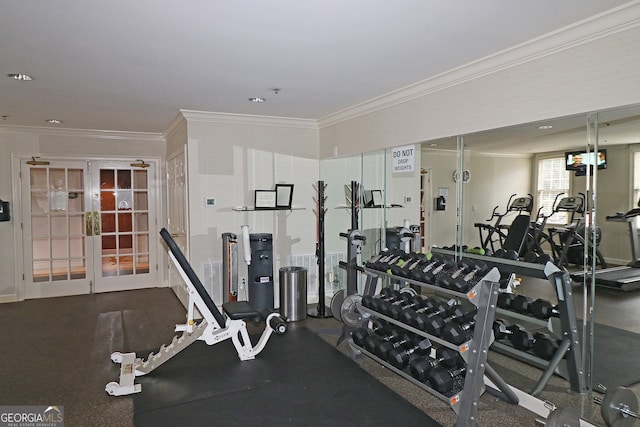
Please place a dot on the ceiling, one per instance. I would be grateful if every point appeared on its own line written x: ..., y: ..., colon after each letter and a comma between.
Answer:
x: 132, y: 65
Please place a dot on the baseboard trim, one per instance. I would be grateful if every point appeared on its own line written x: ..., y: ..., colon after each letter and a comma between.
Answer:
x: 8, y: 298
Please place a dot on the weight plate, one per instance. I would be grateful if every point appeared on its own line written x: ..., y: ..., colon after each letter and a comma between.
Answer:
x: 565, y: 417
x: 349, y: 311
x: 336, y: 303
x: 615, y: 399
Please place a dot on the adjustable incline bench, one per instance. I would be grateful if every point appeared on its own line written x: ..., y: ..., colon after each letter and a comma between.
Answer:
x: 212, y: 329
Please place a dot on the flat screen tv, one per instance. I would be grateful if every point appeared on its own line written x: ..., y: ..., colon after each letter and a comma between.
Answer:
x: 579, y: 160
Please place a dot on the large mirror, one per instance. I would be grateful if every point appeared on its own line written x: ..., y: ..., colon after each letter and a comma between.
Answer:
x: 525, y: 161
x: 544, y: 160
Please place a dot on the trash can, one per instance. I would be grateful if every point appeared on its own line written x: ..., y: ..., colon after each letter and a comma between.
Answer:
x: 293, y: 293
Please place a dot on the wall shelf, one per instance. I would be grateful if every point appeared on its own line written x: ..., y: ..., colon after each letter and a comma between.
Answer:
x: 252, y: 209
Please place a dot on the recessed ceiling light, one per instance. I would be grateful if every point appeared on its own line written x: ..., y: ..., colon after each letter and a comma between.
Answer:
x: 257, y: 99
x: 544, y: 127
x: 54, y: 121
x: 22, y: 77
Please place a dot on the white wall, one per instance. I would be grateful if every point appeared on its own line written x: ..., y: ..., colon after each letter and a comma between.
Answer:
x: 56, y: 142
x: 230, y: 156
x: 591, y: 68
x: 493, y: 179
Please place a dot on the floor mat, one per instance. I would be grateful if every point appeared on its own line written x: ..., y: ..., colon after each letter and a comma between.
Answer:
x: 297, y: 380
x: 616, y: 356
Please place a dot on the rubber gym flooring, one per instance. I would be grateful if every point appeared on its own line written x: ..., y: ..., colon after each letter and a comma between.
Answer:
x: 298, y: 379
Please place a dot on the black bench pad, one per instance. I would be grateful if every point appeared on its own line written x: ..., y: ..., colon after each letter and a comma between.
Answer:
x: 237, y: 310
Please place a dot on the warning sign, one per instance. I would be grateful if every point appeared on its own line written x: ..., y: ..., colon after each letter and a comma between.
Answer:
x: 403, y: 159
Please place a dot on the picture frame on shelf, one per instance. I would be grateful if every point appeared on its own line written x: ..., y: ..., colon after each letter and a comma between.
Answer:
x: 376, y: 198
x: 284, y: 196
x: 265, y: 199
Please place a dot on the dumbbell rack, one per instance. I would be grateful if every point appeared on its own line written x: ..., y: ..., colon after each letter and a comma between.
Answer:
x: 474, y: 352
x: 566, y: 362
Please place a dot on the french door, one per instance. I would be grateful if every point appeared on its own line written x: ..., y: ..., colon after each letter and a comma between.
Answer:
x: 88, y: 226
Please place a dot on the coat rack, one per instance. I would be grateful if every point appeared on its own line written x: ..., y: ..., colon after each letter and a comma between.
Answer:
x: 320, y: 310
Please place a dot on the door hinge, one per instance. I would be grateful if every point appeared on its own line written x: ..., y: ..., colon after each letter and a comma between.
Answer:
x: 156, y: 267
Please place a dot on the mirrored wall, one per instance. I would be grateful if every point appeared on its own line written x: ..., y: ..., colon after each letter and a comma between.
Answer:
x: 501, y: 166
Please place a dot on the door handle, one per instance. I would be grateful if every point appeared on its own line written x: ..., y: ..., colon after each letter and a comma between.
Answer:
x: 97, y: 225
x: 88, y: 223
x: 92, y: 223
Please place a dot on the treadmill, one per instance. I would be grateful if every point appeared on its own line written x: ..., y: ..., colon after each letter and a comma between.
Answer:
x: 624, y: 278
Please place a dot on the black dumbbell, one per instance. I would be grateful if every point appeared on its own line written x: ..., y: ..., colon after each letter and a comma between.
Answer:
x: 376, y: 263
x: 395, y: 309
x: 430, y: 261
x: 543, y: 309
x: 386, y: 294
x: 430, y: 277
x: 506, y: 254
x: 420, y: 320
x: 384, y: 347
x: 382, y: 306
x: 457, y: 333
x: 458, y: 270
x: 468, y: 280
x: 522, y: 339
x: 545, y: 347
x: 505, y: 299
x: 502, y: 330
x: 409, y: 313
x: 458, y: 313
x: 511, y: 254
x: 372, y: 340
x: 445, y: 356
x: 388, y: 260
x: 400, y: 357
x: 535, y: 258
x: 415, y: 260
x: 446, y: 381
x: 397, y: 262
x: 360, y: 334
x: 521, y: 304
x: 395, y: 267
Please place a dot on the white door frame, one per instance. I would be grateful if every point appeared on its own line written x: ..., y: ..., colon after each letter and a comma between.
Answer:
x: 178, y: 215
x: 18, y: 214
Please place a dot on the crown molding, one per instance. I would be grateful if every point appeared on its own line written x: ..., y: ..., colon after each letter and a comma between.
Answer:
x: 85, y: 133
x: 608, y: 23
x: 247, y: 119
x: 175, y: 124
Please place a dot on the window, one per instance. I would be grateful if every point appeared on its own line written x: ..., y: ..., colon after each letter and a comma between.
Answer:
x: 553, y: 179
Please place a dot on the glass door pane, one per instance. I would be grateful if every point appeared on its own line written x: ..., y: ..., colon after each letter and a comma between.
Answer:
x: 55, y: 240
x: 123, y: 202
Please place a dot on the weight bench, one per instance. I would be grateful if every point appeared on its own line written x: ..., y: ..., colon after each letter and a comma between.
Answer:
x: 214, y: 327
x: 517, y: 234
